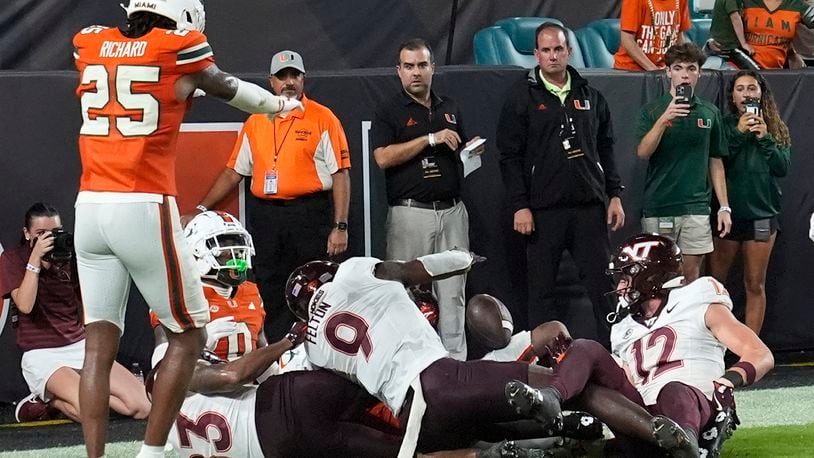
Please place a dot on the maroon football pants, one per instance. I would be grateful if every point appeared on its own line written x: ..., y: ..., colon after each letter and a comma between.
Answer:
x: 587, y: 361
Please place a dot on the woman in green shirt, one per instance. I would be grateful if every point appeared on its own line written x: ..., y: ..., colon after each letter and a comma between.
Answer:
x: 758, y: 155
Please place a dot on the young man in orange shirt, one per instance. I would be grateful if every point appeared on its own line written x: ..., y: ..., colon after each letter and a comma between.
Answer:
x: 648, y: 28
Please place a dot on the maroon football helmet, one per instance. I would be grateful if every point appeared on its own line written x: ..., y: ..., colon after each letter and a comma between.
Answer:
x: 304, y: 281
x: 646, y: 262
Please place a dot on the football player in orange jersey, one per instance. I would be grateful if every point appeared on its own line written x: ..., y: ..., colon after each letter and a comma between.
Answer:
x: 223, y: 248
x: 136, y: 83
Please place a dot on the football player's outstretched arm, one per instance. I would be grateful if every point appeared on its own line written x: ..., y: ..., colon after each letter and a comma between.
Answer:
x: 227, y: 377
x: 242, y: 95
x: 427, y: 268
x: 756, y: 358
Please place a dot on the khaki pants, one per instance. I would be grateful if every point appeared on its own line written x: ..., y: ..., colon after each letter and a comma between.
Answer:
x: 414, y: 232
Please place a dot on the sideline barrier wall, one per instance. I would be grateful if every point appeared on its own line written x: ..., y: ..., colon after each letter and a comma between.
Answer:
x: 39, y: 160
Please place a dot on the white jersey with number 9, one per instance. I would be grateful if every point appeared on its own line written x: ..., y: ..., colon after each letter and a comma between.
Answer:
x: 370, y: 331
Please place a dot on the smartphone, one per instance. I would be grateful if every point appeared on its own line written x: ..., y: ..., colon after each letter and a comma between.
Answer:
x: 763, y: 230
x: 752, y: 106
x: 683, y: 93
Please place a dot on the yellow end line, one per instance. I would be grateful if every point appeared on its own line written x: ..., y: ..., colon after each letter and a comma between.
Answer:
x: 808, y: 364
x: 36, y: 423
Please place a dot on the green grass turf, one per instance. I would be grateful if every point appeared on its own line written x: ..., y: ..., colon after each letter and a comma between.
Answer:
x: 772, y: 441
x: 767, y: 441
x: 113, y: 450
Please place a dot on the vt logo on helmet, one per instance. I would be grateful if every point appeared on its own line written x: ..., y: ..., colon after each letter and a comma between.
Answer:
x: 221, y: 246
x: 640, y: 267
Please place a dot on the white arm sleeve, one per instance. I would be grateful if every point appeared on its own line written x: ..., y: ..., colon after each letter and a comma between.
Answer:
x: 446, y: 262
x: 811, y: 228
x: 252, y: 98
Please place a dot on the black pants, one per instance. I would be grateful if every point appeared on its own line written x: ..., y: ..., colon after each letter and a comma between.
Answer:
x: 583, y: 232
x: 286, y: 234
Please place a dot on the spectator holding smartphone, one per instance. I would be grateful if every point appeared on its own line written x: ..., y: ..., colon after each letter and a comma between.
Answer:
x: 759, y: 155
x: 681, y: 136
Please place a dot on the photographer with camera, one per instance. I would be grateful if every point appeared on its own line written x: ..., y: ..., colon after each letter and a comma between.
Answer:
x: 759, y: 154
x: 39, y: 276
x: 682, y: 137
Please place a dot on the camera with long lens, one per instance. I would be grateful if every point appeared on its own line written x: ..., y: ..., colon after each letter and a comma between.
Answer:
x: 63, y: 247
x: 752, y: 105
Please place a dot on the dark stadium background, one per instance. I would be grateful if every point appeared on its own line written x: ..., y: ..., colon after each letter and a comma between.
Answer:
x: 350, y: 59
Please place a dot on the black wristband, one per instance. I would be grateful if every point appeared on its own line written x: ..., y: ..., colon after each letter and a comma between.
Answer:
x: 735, y: 377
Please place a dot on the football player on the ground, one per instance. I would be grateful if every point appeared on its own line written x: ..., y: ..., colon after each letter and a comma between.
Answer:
x: 222, y: 249
x: 670, y: 339
x: 302, y: 413
x: 136, y: 84
x: 362, y: 324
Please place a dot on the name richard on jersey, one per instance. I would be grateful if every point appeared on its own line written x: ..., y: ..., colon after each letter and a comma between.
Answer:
x: 123, y: 49
x: 317, y: 314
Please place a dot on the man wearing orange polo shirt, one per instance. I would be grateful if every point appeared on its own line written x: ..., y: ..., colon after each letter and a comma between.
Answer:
x: 300, y: 187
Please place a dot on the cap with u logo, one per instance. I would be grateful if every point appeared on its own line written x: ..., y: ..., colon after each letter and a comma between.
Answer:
x: 286, y: 59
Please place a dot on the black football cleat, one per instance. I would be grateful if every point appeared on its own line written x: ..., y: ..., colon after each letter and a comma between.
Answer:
x: 542, y: 404
x: 581, y: 425
x: 674, y: 439
x: 712, y: 439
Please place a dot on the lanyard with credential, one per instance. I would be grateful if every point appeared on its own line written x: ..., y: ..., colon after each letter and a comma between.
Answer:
x: 278, y: 147
x: 271, y: 177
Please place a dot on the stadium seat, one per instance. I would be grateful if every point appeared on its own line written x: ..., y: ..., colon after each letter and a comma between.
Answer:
x: 599, y: 41
x: 699, y: 32
x: 511, y: 41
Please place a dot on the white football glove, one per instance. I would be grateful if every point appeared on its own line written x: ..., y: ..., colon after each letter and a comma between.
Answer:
x: 284, y: 105
x: 218, y: 329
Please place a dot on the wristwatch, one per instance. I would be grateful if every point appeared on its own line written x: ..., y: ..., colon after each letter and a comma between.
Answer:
x: 341, y: 225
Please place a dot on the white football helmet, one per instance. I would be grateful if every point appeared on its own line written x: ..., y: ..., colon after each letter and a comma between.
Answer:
x: 221, y: 246
x: 187, y: 14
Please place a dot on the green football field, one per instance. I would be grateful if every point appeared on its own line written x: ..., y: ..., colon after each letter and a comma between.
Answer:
x: 775, y: 423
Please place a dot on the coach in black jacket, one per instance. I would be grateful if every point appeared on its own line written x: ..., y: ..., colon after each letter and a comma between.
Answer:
x: 556, y: 144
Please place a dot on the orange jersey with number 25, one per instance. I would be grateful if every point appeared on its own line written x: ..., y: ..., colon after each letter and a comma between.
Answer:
x: 130, y: 114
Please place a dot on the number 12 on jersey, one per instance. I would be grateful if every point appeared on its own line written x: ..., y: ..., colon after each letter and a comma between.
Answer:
x: 653, y: 357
